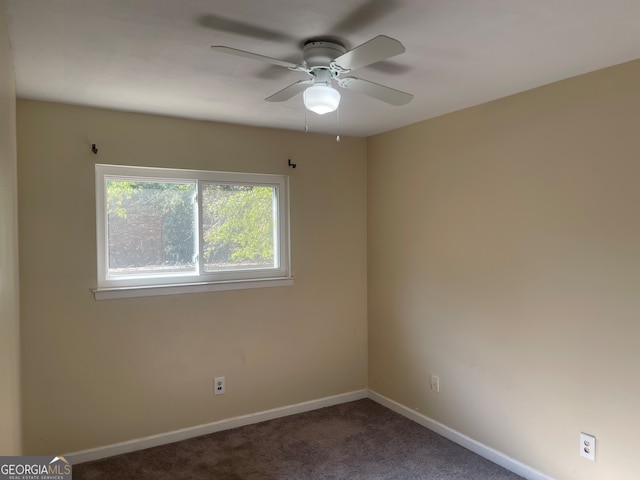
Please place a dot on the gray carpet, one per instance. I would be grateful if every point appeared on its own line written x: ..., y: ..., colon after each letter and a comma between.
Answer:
x: 356, y: 440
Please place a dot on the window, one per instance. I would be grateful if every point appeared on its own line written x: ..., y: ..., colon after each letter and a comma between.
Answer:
x: 169, y: 231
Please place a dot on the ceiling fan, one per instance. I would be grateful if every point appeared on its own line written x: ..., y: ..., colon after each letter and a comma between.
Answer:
x: 326, y: 61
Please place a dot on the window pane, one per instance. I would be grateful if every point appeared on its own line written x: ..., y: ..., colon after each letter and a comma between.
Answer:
x: 238, y: 225
x: 151, y: 227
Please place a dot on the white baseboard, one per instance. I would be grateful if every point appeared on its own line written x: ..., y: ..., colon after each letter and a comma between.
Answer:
x: 489, y: 453
x: 185, y: 433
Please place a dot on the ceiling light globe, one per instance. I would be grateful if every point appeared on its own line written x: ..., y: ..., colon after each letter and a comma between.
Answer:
x: 321, y: 99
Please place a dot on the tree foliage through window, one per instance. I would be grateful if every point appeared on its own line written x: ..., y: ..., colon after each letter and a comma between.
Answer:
x: 152, y: 226
x: 238, y: 225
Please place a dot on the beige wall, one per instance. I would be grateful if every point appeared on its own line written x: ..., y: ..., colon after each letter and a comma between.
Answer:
x: 99, y: 372
x: 504, y: 256
x: 9, y: 302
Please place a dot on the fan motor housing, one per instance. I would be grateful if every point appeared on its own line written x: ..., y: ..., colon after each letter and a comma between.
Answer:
x: 319, y: 53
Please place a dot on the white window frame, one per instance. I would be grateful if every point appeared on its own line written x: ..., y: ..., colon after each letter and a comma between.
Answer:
x: 199, y: 281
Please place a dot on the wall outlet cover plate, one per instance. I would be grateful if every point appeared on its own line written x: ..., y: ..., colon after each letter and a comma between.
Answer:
x: 588, y: 446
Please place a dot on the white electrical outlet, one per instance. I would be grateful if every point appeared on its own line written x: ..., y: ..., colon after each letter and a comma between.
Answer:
x: 218, y: 386
x: 435, y: 383
x: 588, y: 446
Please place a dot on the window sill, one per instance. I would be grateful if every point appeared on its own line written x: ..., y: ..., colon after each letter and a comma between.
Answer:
x: 176, y: 289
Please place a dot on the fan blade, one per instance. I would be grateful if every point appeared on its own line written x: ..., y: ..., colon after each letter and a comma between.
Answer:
x: 290, y: 91
x: 379, y: 92
x: 366, y: 14
x: 241, y: 28
x: 373, y: 51
x: 255, y: 56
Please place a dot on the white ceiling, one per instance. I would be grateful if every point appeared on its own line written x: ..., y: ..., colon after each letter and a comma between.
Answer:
x: 153, y: 55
